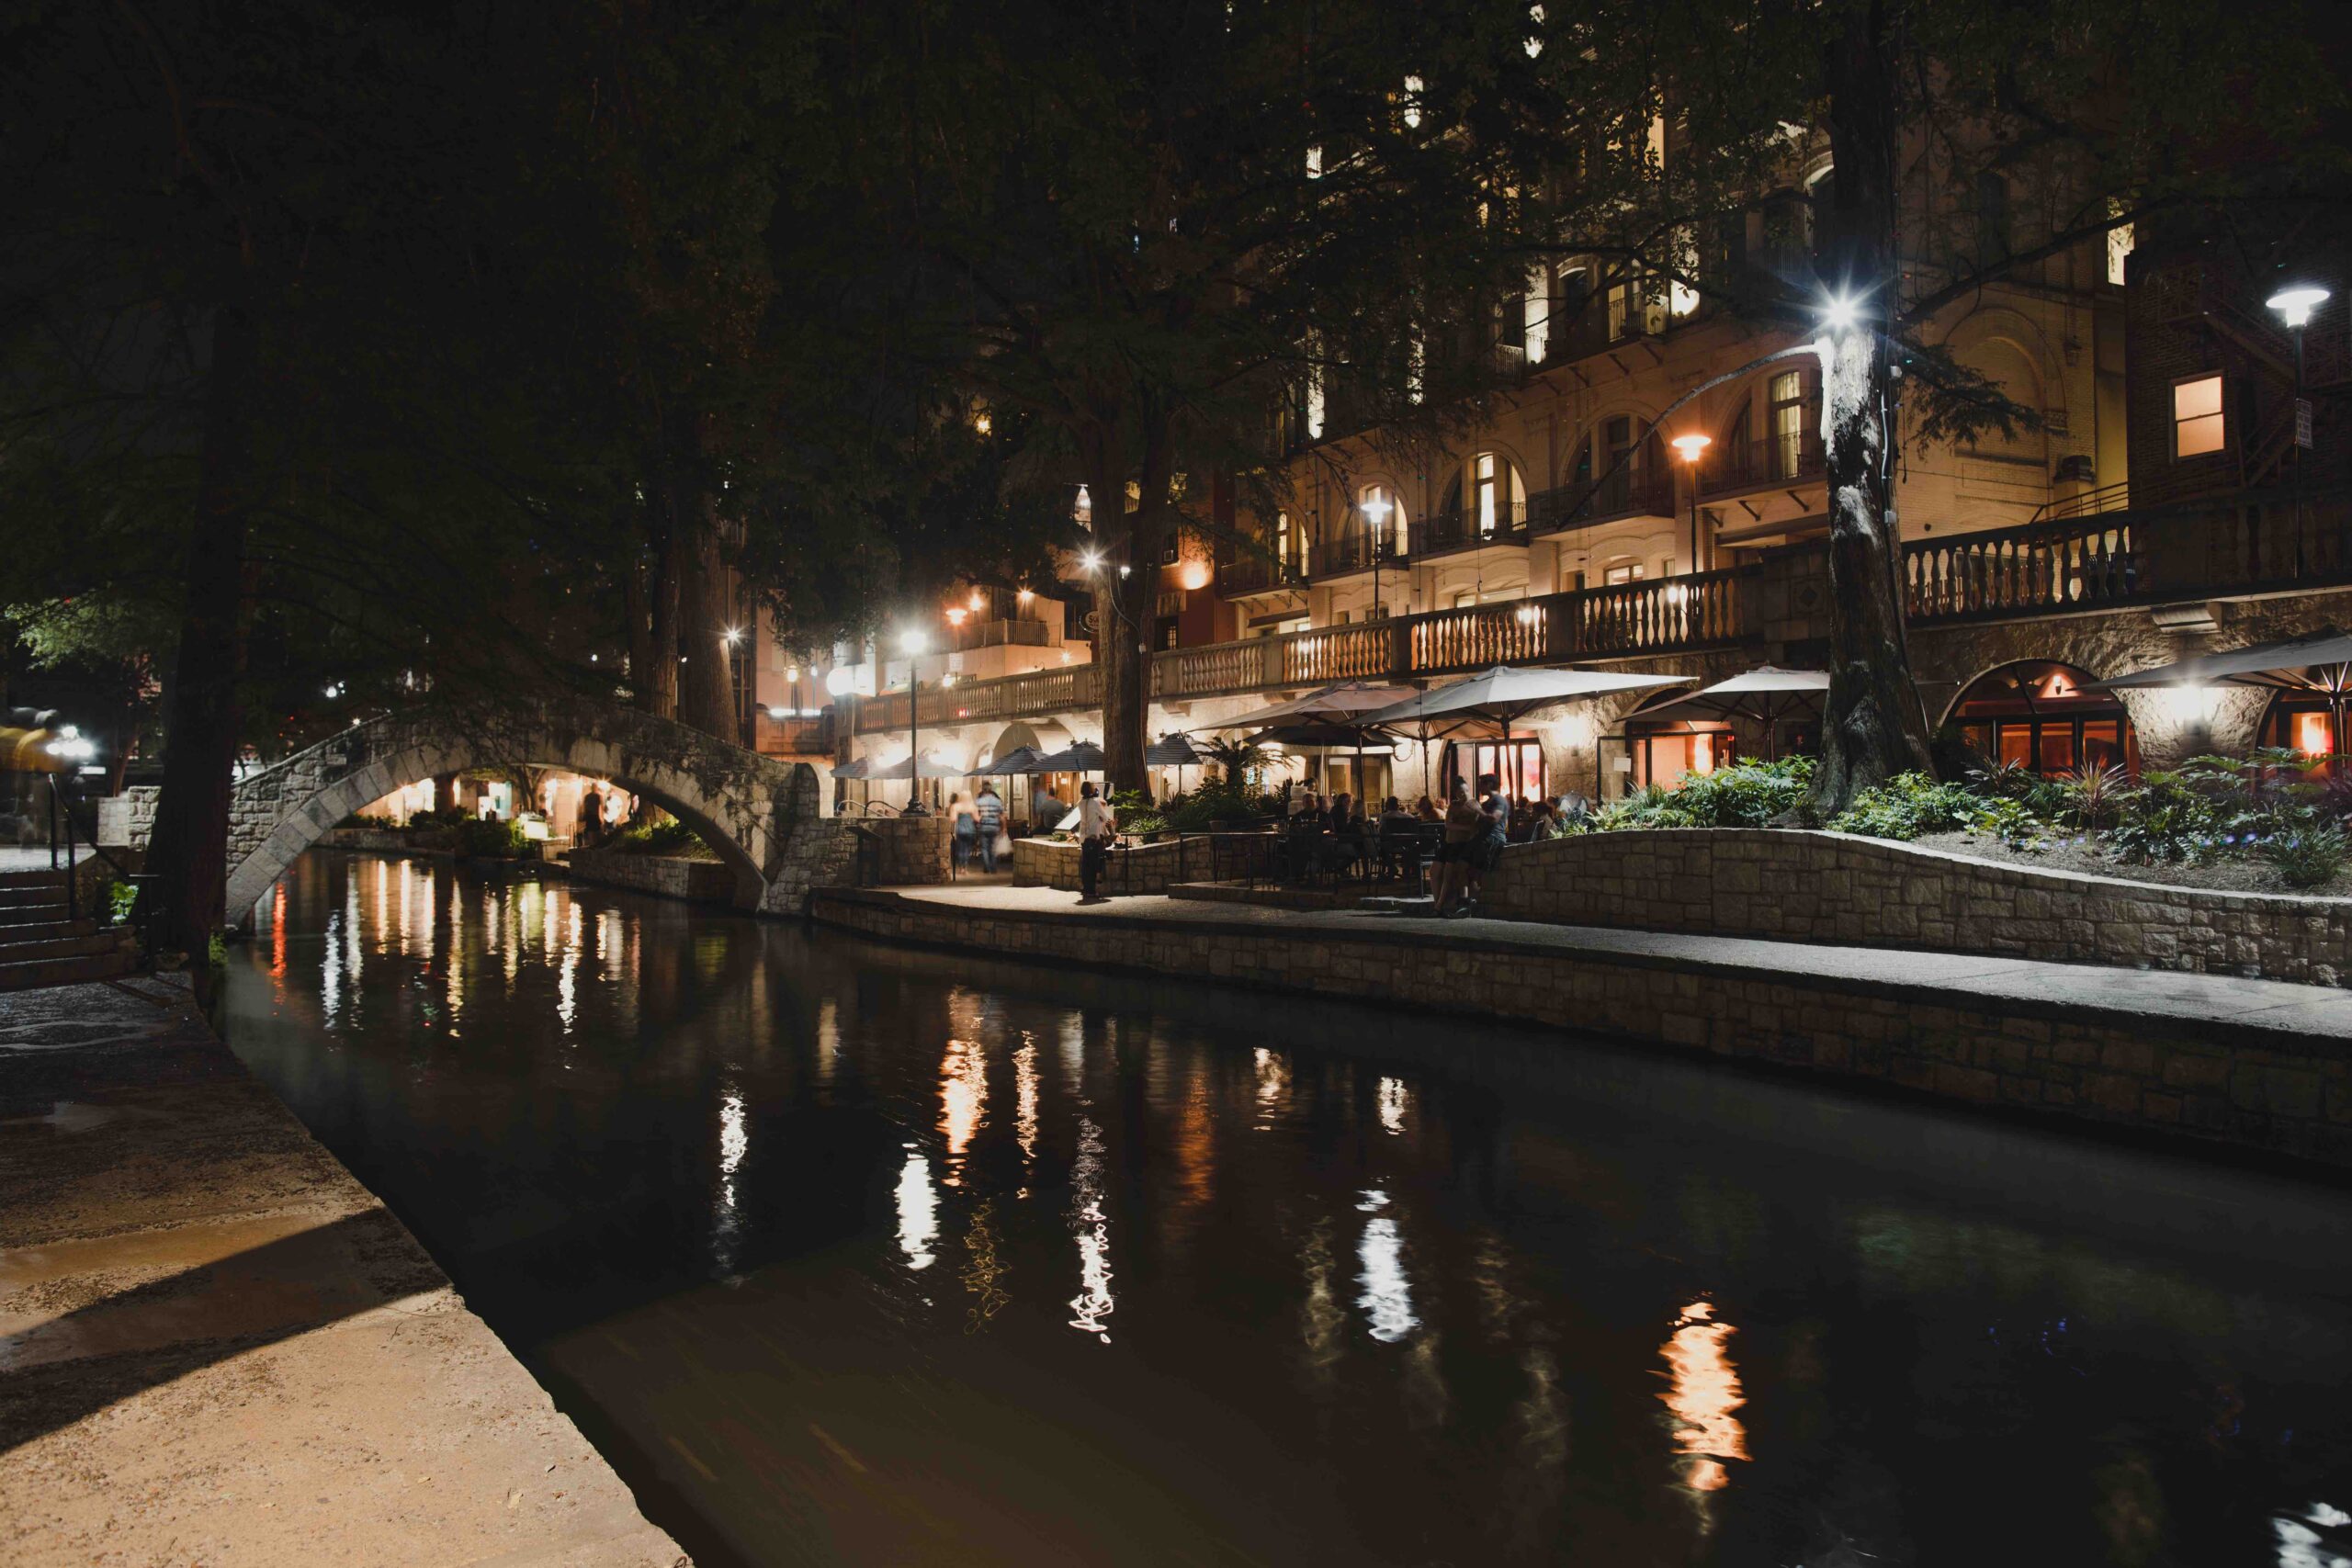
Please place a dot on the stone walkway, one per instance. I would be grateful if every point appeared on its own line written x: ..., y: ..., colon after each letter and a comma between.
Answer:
x: 1945, y: 978
x: 217, y: 1347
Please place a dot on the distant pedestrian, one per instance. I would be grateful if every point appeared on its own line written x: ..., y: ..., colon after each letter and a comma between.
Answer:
x: 1096, y: 822
x: 1047, y: 811
x: 989, y: 812
x: 1462, y: 822
x: 590, y: 826
x: 964, y: 826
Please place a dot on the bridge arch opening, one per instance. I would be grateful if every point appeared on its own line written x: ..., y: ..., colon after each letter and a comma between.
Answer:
x: 736, y: 802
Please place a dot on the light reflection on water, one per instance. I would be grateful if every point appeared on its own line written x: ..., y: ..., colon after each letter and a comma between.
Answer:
x: 851, y: 1253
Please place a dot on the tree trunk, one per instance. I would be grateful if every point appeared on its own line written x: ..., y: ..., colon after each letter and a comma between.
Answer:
x: 705, y: 697
x: 203, y: 717
x: 1873, y: 725
x: 1124, y: 606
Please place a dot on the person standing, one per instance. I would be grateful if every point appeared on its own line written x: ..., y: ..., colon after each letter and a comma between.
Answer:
x: 963, y: 824
x: 989, y: 812
x: 1462, y: 821
x: 1492, y: 830
x: 590, y: 826
x: 1096, y: 822
x: 1047, y: 808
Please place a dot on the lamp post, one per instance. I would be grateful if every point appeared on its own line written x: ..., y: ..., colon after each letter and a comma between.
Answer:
x: 911, y: 642
x: 2295, y: 304
x: 1691, y: 447
x: 843, y: 686
x: 1375, y: 512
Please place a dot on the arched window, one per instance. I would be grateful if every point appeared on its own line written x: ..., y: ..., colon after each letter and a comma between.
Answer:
x: 2299, y: 721
x: 2039, y: 715
x: 1380, y: 512
x: 1489, y: 496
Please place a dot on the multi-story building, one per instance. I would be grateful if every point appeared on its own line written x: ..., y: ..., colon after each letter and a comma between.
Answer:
x: 2158, y: 506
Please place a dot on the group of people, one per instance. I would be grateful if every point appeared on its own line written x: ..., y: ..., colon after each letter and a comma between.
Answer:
x: 978, y: 828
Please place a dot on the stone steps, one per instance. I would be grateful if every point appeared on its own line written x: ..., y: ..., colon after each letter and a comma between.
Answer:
x: 42, y: 942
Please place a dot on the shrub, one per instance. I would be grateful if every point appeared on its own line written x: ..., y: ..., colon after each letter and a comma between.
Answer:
x: 2092, y: 794
x: 2003, y: 781
x: 1907, y: 806
x: 1220, y: 800
x: 1744, y: 795
x: 2310, y: 856
x: 122, y: 898
x: 671, y: 838
x: 489, y: 839
x: 2168, y: 816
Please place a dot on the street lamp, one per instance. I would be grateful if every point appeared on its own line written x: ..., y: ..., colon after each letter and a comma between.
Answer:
x: 2295, y: 304
x: 1376, y: 509
x: 911, y: 642
x: 1691, y: 449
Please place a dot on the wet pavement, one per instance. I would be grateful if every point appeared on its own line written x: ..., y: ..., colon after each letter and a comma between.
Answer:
x: 845, y: 1253
x: 217, y: 1347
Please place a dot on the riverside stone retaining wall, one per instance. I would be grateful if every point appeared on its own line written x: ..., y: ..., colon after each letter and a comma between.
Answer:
x: 1832, y: 887
x: 696, y: 881
x: 2267, y: 1089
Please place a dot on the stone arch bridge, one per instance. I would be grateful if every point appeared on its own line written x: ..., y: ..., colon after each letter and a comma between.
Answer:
x: 763, y: 817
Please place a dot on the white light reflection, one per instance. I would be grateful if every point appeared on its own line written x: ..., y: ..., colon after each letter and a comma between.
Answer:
x: 1092, y: 1303
x: 1392, y: 1106
x: 1384, y: 1293
x: 1273, y: 1084
x: 1024, y: 1089
x: 918, y: 1211
x: 567, y: 980
x: 353, y: 964
x: 726, y: 1225
x: 2300, y: 1546
x: 1073, y: 1046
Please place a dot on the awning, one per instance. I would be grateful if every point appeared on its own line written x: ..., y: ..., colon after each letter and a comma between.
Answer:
x: 2316, y: 662
x: 1083, y: 758
x: 1020, y: 760
x: 856, y: 768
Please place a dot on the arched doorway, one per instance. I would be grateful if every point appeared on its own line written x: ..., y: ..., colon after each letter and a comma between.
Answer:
x: 2039, y: 713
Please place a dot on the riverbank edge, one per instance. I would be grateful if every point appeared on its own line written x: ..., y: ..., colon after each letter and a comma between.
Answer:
x: 203, y: 1327
x: 2224, y: 1083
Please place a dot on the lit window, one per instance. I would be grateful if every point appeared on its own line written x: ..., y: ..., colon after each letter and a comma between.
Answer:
x: 2118, y: 250
x: 1629, y: 572
x: 2197, y: 417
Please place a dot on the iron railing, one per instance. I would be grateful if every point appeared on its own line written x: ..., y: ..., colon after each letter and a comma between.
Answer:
x: 1792, y: 459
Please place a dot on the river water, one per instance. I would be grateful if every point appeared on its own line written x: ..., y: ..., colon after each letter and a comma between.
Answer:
x: 845, y: 1253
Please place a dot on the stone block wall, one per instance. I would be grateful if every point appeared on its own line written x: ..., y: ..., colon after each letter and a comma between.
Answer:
x: 819, y: 852
x: 1146, y: 868
x: 667, y: 877
x: 2269, y: 1087
x: 1830, y: 887
x: 915, y: 851
x: 128, y: 819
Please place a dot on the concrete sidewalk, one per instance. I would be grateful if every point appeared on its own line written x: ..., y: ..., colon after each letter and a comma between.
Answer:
x: 217, y: 1347
x: 2219, y: 1000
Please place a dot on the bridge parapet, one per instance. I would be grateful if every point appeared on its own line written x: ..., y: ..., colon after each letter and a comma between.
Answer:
x: 750, y: 808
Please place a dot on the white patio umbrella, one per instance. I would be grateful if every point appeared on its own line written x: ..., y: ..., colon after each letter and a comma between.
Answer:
x: 1766, y: 693
x: 2318, y: 662
x: 1503, y: 696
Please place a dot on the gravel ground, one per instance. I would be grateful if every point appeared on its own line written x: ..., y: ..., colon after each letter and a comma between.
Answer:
x: 2223, y: 877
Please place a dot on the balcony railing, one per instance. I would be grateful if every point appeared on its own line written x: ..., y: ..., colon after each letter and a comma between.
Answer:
x: 1254, y: 573
x: 1793, y: 458
x: 1671, y: 614
x: 797, y: 734
x: 974, y: 635
x: 1630, y: 490
x: 1469, y: 530
x: 2254, y: 543
x: 1354, y: 552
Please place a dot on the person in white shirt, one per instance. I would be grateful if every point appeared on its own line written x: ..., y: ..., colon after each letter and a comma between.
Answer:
x: 1096, y: 822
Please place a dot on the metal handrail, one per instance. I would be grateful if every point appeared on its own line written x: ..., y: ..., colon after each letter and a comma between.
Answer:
x: 61, y: 801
